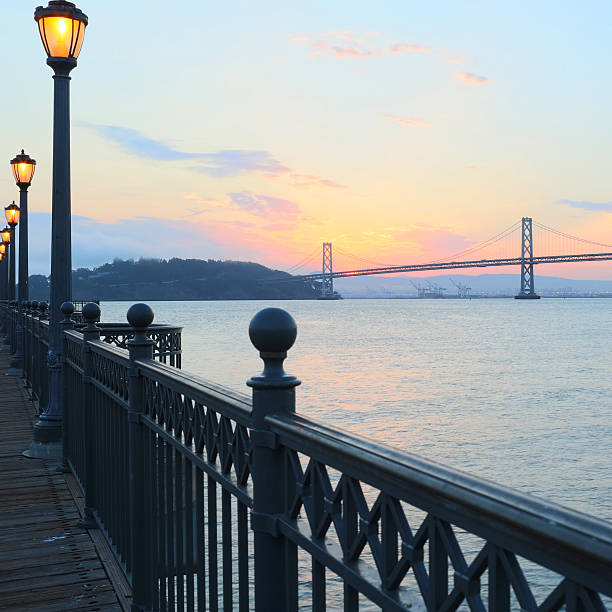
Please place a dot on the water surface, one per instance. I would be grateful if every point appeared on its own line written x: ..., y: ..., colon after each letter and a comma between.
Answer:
x: 519, y: 392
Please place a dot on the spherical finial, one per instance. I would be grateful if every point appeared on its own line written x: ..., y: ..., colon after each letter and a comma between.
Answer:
x: 67, y: 308
x: 140, y: 316
x: 91, y: 312
x: 34, y: 304
x: 272, y: 330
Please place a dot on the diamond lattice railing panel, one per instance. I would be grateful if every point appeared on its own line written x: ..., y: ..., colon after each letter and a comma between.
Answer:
x: 73, y: 351
x: 204, y: 431
x: 111, y: 373
x: 450, y: 568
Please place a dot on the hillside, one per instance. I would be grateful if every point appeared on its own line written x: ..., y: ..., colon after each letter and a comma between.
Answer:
x: 176, y: 279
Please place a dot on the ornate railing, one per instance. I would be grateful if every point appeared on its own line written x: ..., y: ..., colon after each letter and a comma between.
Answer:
x: 173, y: 467
x: 167, y: 339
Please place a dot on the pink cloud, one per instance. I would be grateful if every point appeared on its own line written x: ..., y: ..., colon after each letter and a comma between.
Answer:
x: 408, y: 121
x: 350, y: 44
x: 263, y: 205
x: 410, y: 48
x: 472, y: 79
x: 305, y: 181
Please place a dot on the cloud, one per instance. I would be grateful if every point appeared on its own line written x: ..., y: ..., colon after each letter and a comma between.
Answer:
x: 265, y: 206
x: 96, y: 242
x: 432, y: 241
x: 472, y: 79
x: 403, y: 48
x: 227, y: 162
x: 304, y: 181
x: 408, y: 121
x: 587, y: 205
x: 351, y: 44
x: 235, y: 161
x: 224, y: 163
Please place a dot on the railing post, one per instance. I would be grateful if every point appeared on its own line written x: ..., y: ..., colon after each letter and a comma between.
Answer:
x: 17, y: 359
x: 26, y: 339
x: 91, y: 315
x: 43, y: 399
x: 140, y: 316
x: 272, y: 332
x: 67, y: 309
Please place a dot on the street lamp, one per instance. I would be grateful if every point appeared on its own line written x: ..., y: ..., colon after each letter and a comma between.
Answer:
x: 12, y: 214
x: 62, y: 29
x: 23, y: 170
x: 5, y: 235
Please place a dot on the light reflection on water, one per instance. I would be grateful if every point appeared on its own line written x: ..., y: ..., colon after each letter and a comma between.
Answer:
x: 518, y: 392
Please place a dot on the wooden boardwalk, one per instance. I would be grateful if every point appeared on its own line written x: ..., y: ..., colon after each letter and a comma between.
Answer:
x: 47, y: 562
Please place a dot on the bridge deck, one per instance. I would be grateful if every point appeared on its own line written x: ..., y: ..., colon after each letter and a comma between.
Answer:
x: 46, y: 561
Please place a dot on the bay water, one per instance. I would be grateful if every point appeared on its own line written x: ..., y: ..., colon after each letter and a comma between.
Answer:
x: 519, y: 392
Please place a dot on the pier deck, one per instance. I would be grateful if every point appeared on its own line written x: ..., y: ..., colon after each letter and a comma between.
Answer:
x: 47, y: 562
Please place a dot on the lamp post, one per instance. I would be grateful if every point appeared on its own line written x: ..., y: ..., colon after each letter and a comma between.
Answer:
x: 12, y: 214
x: 5, y: 235
x: 3, y: 288
x: 62, y: 29
x: 23, y: 170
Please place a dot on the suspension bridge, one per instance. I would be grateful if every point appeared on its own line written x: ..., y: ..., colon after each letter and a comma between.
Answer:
x: 499, y: 250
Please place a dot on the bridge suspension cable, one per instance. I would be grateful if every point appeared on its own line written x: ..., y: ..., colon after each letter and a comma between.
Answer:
x: 314, y: 254
x: 564, y: 235
x: 473, y: 249
x: 481, y: 245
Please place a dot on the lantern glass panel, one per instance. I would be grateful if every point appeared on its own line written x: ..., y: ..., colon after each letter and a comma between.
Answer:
x: 23, y: 172
x: 6, y: 235
x: 61, y: 36
x: 2, y: 248
x: 12, y: 214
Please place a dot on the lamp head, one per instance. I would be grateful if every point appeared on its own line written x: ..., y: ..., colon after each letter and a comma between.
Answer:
x: 6, y: 235
x: 12, y: 214
x: 62, y: 28
x: 23, y: 169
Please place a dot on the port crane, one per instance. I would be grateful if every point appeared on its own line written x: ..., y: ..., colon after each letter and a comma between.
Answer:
x: 463, y: 290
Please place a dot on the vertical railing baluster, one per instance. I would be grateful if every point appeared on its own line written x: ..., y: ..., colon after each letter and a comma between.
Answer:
x: 317, y: 494
x: 438, y: 566
x: 140, y: 316
x: 169, y: 519
x: 226, y: 543
x: 389, y: 540
x: 349, y: 533
x: 91, y: 315
x: 272, y: 332
x: 179, y: 530
x: 189, y: 535
x: 499, y: 585
x: 200, y: 542
x: 243, y: 558
x: 164, y: 562
x: 213, y: 576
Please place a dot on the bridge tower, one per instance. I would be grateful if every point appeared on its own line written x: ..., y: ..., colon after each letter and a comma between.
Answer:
x: 527, y: 285
x: 327, y: 282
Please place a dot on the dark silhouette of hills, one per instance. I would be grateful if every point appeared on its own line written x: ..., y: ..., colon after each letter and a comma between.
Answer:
x: 176, y: 279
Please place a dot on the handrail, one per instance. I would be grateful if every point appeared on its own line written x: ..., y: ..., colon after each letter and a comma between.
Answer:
x: 232, y: 404
x: 516, y: 521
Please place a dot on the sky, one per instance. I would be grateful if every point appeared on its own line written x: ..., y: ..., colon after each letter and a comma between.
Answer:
x: 400, y: 131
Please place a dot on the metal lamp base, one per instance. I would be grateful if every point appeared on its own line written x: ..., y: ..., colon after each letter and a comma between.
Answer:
x: 44, y: 450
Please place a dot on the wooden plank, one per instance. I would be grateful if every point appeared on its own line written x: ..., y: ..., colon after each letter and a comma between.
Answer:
x: 47, y: 562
